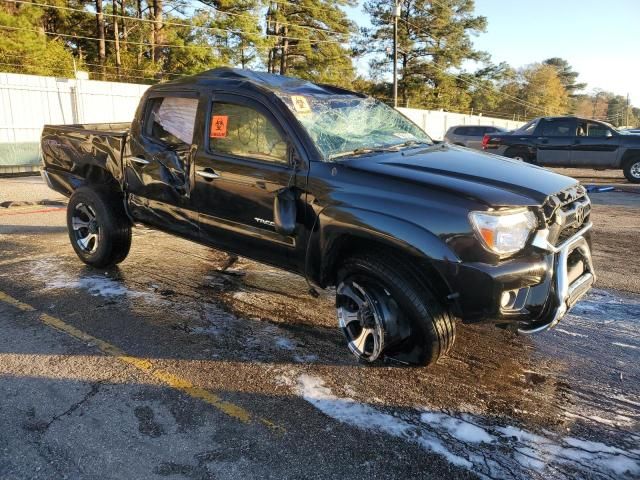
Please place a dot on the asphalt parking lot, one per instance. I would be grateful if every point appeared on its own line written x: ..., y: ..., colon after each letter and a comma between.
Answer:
x: 186, y: 363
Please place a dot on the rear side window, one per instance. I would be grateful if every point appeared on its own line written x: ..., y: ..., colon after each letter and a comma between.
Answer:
x: 243, y: 131
x: 170, y: 120
x: 598, y: 130
x: 461, y: 131
x: 558, y: 128
x: 528, y: 128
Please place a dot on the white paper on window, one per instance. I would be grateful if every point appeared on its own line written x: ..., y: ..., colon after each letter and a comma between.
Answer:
x: 177, y: 116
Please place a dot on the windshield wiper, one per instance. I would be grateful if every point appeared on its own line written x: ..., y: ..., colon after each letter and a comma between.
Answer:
x: 409, y: 143
x: 356, y: 151
x: 390, y: 148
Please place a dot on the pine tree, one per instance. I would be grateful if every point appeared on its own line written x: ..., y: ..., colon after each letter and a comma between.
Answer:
x: 566, y: 73
x: 310, y: 39
x: 433, y: 39
x: 25, y: 48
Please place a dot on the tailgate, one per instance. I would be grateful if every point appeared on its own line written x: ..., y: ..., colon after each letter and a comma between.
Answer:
x: 78, y: 149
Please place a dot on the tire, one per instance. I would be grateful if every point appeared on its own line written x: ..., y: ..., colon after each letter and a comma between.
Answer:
x: 631, y: 169
x: 413, y: 326
x: 519, y: 154
x: 99, y: 229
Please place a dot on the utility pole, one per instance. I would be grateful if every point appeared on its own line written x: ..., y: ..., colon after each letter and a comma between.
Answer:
x: 395, y: 13
x: 626, y: 113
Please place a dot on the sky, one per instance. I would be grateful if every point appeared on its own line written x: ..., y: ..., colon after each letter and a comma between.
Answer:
x: 600, y: 39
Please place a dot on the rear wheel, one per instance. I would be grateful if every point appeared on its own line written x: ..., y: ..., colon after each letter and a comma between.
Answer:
x: 99, y: 229
x: 386, y: 311
x: 519, y: 154
x: 631, y: 170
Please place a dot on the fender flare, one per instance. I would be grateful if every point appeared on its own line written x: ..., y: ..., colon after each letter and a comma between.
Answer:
x: 335, y: 223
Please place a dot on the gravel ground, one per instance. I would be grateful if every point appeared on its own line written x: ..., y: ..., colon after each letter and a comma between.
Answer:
x: 182, y: 364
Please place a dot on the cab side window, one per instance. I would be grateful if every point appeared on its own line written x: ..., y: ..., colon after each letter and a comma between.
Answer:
x: 597, y: 130
x: 243, y: 131
x: 170, y: 120
x: 558, y: 128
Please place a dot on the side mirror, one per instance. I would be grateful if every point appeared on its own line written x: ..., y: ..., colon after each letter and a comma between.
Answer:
x: 285, y: 211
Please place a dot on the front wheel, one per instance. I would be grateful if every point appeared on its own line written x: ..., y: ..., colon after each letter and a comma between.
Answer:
x: 99, y: 229
x: 385, y: 311
x: 631, y: 170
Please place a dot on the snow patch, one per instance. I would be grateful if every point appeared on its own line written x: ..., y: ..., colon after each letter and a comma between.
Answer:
x: 573, y: 334
x: 309, y: 358
x: 347, y: 410
x: 284, y: 343
x: 461, y: 429
x: 474, y: 443
x: 95, y: 284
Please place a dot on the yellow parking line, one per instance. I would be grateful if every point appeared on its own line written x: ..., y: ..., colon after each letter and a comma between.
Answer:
x: 147, y: 366
x: 16, y: 303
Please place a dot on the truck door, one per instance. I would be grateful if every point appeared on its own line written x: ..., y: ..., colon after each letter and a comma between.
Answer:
x: 158, y: 162
x: 595, y: 146
x: 554, y: 139
x: 245, y: 162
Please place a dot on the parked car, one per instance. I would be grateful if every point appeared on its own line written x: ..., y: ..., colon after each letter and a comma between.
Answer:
x: 570, y: 142
x: 340, y: 189
x: 470, y: 135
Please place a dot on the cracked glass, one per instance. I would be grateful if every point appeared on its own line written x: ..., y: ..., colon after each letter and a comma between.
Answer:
x: 344, y: 125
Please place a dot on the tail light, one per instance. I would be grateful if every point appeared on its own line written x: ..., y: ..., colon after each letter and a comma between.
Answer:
x: 485, y: 141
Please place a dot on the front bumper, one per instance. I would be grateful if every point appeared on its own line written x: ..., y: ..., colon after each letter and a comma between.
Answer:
x: 544, y: 284
x: 567, y: 289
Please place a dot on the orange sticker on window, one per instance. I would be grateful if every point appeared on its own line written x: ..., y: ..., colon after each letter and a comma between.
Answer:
x: 219, y: 126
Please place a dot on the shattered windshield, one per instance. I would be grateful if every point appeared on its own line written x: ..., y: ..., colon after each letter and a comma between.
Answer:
x: 345, y: 125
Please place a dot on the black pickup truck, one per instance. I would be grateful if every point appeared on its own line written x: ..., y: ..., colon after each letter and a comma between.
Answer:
x: 338, y: 188
x: 570, y: 142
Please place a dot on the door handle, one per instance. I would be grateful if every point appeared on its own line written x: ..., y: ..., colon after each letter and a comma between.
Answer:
x: 140, y: 161
x: 208, y: 174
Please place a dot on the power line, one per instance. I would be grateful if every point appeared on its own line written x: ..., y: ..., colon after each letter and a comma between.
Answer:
x: 516, y: 100
x: 82, y: 37
x: 191, y: 25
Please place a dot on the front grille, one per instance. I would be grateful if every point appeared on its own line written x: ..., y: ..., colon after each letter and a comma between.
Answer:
x: 567, y: 212
x: 566, y: 234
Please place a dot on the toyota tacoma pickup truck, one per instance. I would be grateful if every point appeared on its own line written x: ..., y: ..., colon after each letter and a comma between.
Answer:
x: 570, y: 142
x: 340, y: 189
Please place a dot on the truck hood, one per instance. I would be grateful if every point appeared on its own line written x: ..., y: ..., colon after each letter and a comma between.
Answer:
x: 629, y: 139
x: 490, y: 179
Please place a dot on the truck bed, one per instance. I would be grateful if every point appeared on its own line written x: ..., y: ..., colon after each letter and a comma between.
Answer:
x: 72, y: 153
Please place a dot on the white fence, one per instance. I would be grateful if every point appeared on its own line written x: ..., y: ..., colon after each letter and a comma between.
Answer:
x: 437, y: 122
x: 27, y: 102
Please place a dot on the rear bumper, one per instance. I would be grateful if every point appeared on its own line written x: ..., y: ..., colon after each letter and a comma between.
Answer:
x: 532, y: 293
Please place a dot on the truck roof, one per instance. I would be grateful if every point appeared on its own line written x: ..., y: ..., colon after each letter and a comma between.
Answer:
x: 264, y: 81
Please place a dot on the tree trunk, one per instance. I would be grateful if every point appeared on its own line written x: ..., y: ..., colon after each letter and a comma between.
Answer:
x: 125, y: 33
x: 285, y: 48
x: 116, y: 38
x: 157, y: 30
x: 102, y: 49
x: 403, y: 85
x: 140, y: 47
x: 243, y: 60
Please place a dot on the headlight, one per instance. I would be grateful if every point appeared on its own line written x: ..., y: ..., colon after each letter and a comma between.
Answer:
x: 503, y: 232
